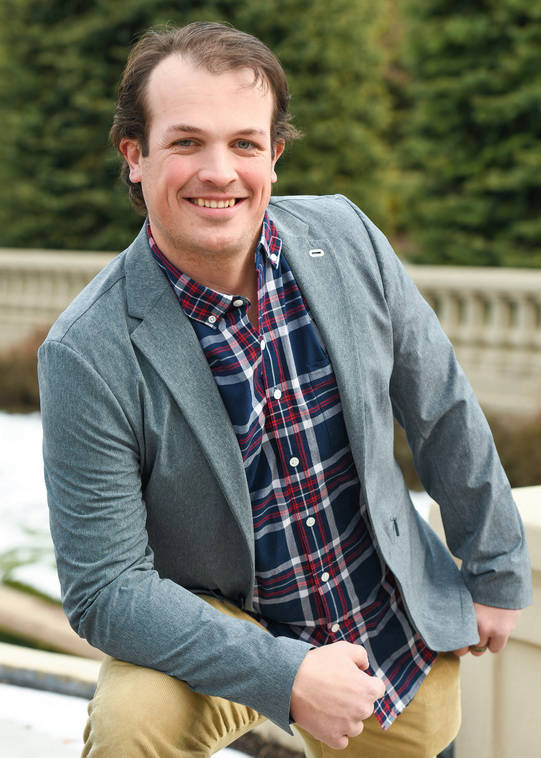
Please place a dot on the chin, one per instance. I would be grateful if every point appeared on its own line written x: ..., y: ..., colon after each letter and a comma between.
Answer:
x: 225, y: 245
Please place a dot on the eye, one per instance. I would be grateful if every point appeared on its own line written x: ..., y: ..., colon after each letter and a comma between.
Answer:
x: 245, y: 144
x: 184, y: 142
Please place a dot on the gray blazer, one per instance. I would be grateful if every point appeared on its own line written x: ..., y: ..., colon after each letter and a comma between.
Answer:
x: 148, y: 498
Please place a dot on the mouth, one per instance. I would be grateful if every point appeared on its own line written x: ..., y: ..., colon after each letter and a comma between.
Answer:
x: 203, y: 202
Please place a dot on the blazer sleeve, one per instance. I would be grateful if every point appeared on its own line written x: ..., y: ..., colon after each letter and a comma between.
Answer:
x: 451, y: 442
x: 112, y: 594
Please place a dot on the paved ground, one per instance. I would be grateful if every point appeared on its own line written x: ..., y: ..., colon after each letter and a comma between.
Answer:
x: 35, y: 723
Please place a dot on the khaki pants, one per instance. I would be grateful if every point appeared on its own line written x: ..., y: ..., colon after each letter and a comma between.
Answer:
x: 142, y: 713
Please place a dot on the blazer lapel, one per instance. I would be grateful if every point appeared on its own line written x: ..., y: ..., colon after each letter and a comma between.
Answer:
x: 167, y: 339
x: 315, y: 262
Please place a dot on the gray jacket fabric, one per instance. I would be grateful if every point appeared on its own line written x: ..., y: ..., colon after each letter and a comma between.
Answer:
x: 148, y: 498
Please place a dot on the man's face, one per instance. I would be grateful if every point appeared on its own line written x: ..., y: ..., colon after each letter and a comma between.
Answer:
x: 208, y: 173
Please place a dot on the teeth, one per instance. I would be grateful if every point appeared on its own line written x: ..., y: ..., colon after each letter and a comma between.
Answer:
x: 202, y: 203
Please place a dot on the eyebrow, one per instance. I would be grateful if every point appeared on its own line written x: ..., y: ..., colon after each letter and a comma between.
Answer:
x: 175, y: 128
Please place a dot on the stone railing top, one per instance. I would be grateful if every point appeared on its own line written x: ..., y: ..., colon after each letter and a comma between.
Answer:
x: 12, y: 258
x: 477, y: 278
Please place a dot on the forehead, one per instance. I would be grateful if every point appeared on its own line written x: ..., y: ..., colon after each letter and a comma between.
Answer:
x: 179, y: 89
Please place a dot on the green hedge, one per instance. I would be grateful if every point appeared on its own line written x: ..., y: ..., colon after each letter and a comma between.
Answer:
x: 473, y: 146
x: 425, y: 112
x: 19, y: 391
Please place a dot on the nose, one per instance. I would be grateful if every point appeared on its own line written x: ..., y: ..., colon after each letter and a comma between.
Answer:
x: 218, y: 167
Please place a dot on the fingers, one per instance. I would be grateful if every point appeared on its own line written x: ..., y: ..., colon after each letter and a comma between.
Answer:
x: 475, y: 650
x: 497, y: 642
x: 333, y: 693
x: 478, y: 650
x: 495, y: 626
x: 340, y: 744
x: 379, y: 687
x: 359, y: 656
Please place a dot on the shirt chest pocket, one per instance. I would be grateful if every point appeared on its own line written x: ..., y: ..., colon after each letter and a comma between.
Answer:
x: 308, y: 349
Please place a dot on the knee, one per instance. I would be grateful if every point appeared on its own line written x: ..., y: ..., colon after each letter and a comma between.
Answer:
x: 116, y: 727
x: 142, y: 713
x: 134, y: 713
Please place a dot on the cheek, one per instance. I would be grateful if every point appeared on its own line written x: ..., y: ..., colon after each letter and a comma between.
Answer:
x: 175, y: 173
x: 260, y: 180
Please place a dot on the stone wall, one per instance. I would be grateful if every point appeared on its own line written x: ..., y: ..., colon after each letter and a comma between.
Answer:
x: 500, y: 693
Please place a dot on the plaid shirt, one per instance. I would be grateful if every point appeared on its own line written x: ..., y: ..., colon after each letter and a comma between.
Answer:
x: 319, y: 576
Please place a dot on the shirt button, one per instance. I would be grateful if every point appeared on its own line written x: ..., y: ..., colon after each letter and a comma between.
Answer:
x: 273, y: 257
x: 335, y: 627
x: 310, y: 521
x: 238, y: 303
x: 211, y: 319
x: 325, y: 577
x: 277, y: 394
x: 294, y: 461
x: 262, y: 344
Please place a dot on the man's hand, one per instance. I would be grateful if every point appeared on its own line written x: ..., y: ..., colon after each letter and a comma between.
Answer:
x: 332, y: 695
x: 494, y: 625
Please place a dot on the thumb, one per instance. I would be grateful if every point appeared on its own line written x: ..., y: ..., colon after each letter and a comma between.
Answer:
x: 359, y: 656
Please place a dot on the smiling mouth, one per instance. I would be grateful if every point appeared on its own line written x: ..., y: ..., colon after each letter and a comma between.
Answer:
x: 202, y: 202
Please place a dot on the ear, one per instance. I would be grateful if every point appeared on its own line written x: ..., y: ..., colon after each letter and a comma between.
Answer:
x: 131, y: 150
x: 278, y: 150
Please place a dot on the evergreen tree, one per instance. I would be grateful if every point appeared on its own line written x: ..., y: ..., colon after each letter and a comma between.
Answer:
x: 395, y: 80
x: 60, y: 63
x: 474, y: 144
x: 334, y: 60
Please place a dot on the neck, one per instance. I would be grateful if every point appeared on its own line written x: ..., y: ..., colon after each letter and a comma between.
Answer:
x: 224, y: 274
x: 231, y: 271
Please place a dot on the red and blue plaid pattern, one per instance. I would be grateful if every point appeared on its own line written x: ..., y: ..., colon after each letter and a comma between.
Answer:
x: 318, y: 575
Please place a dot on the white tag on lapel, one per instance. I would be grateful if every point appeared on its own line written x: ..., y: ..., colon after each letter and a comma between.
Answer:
x: 317, y: 253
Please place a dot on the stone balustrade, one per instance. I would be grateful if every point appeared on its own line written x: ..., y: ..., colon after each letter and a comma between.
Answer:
x: 36, y: 286
x: 492, y: 316
x: 485, y: 306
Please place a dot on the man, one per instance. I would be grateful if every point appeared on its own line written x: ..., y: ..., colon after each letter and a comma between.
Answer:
x: 231, y: 527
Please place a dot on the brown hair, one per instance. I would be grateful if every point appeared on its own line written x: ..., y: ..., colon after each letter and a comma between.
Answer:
x: 216, y: 47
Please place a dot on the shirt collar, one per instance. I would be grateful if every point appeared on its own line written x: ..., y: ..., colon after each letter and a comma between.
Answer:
x: 203, y: 303
x: 270, y: 241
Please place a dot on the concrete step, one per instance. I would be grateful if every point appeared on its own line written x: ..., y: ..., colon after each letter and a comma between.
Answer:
x: 54, y: 672
x: 38, y: 620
